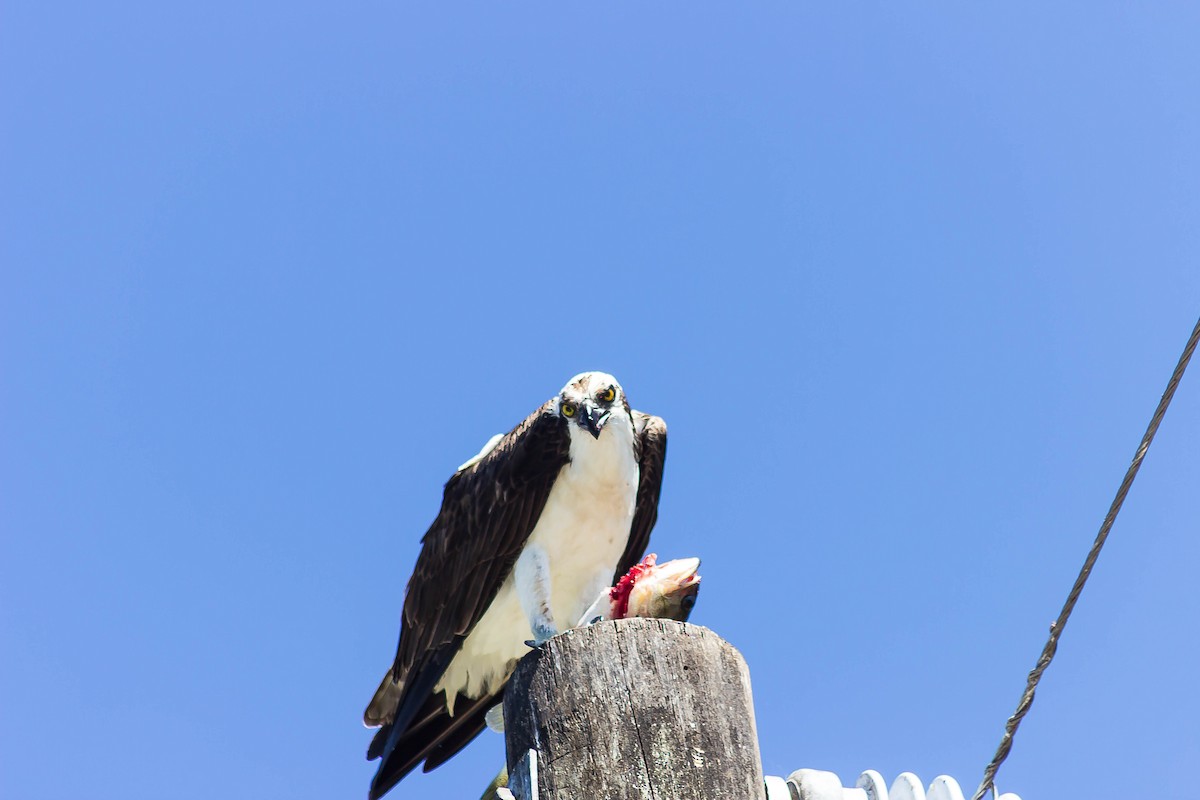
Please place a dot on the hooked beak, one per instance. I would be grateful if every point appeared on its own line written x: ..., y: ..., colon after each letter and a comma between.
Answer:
x: 594, y: 419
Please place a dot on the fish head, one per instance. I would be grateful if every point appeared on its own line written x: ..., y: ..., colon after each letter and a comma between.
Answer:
x: 666, y: 591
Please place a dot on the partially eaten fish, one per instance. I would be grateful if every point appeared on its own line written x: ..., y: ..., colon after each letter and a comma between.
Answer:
x: 649, y: 589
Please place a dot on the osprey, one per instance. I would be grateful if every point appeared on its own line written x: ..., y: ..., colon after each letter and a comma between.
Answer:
x: 530, y: 530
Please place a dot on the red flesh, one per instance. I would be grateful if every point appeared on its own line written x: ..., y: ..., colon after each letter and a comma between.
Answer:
x: 619, y: 594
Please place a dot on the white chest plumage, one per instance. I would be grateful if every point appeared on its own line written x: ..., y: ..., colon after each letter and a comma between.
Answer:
x: 581, y: 533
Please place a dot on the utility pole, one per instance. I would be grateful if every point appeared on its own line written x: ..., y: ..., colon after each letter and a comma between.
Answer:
x: 635, y: 709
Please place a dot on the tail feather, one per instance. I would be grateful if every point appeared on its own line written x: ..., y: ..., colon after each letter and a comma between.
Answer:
x: 460, y: 736
x: 433, y: 707
x: 434, y: 740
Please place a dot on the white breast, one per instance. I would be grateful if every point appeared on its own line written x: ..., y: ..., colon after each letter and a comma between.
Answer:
x: 583, y: 529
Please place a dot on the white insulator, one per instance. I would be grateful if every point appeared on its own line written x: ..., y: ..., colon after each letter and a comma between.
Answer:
x: 873, y: 784
x: 944, y: 788
x: 777, y: 788
x: 815, y: 784
x: 907, y: 787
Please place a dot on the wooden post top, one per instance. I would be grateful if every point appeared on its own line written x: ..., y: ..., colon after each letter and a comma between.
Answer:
x: 643, y: 709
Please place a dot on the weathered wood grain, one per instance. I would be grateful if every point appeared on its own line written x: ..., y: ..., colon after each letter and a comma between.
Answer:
x: 636, y: 709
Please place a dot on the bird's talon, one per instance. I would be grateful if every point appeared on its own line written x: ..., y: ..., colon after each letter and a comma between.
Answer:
x: 543, y: 631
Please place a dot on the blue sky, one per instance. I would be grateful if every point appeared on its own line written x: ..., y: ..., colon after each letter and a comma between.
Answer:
x: 905, y: 282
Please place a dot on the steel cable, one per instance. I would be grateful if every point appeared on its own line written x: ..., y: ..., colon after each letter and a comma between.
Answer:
x: 1056, y: 628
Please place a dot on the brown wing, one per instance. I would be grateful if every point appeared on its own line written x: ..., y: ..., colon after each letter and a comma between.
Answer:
x: 488, y: 511
x: 651, y: 442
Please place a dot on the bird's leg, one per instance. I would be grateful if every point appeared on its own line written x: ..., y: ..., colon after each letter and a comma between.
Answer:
x: 532, y: 574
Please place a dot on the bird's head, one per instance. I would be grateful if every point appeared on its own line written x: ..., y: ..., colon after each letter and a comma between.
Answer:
x: 590, y: 400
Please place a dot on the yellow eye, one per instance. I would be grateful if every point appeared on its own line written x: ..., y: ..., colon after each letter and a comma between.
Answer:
x: 568, y: 409
x: 608, y: 395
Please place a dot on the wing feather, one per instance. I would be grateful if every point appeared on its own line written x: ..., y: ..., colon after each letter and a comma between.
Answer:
x: 489, y: 508
x: 651, y: 442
